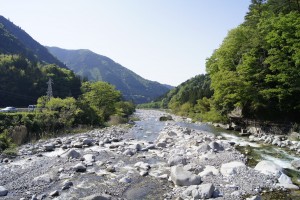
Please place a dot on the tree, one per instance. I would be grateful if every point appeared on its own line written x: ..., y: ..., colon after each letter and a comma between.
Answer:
x: 101, y: 98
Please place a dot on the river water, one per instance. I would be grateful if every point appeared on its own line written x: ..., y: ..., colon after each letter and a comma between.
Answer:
x: 149, y: 127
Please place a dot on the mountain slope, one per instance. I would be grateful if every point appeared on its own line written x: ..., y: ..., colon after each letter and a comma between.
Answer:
x: 14, y: 40
x: 97, y: 67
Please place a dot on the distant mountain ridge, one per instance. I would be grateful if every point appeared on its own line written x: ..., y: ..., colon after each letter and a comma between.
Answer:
x: 14, y: 40
x: 96, y: 67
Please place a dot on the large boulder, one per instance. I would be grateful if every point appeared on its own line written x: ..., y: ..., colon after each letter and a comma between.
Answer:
x: 49, y: 147
x: 44, y: 178
x: 215, y: 146
x: 230, y: 168
x: 97, y: 197
x: 79, y: 167
x: 268, y: 168
x: 89, y: 158
x: 73, y: 154
x: 177, y: 160
x: 204, y: 191
x: 209, y: 170
x: 296, y: 163
x: 182, y: 177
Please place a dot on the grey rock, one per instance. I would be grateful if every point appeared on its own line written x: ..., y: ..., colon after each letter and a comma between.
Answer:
x: 125, y: 180
x: 54, y: 193
x: 44, y: 178
x: 89, y: 158
x: 97, y: 197
x: 77, y: 144
x: 204, y: 191
x: 67, y: 184
x: 215, y: 146
x: 296, y: 163
x: 229, y: 169
x: 284, y: 179
x: 73, y: 154
x: 3, y: 191
x: 203, y: 148
x: 150, y: 146
x: 128, y: 152
x: 80, y: 167
x: 268, y: 168
x: 88, y: 142
x: 49, y: 147
x: 177, y: 160
x: 111, y: 169
x: 257, y: 197
x: 182, y: 177
x: 142, y: 166
x: 161, y: 145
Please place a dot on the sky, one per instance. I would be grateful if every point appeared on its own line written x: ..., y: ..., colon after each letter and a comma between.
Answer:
x: 161, y: 40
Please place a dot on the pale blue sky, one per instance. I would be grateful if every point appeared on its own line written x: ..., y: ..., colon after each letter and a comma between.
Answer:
x: 162, y: 40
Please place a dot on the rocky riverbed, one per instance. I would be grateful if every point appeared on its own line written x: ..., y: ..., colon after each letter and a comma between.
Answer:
x: 151, y: 160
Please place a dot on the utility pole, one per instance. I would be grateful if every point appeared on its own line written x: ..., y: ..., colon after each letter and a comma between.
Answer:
x: 49, y: 90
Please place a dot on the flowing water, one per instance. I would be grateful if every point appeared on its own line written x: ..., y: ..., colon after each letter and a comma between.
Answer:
x: 149, y: 127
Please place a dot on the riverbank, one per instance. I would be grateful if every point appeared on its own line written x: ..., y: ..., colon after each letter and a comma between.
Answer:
x: 151, y: 160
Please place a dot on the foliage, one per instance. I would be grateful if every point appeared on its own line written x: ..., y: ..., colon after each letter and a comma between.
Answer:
x: 66, y: 110
x: 23, y: 81
x: 151, y: 105
x: 257, y: 67
x: 101, y: 98
x: 14, y: 40
x: 5, y: 141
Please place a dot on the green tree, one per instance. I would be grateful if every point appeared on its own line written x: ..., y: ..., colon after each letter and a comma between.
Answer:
x: 101, y: 98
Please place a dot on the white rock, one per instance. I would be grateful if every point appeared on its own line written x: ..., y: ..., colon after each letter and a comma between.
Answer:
x: 125, y: 180
x: 254, y: 198
x: 177, y: 160
x: 45, y: 178
x: 73, y: 154
x: 288, y: 186
x: 80, y: 167
x: 89, y: 158
x: 182, y: 177
x: 209, y: 170
x: 204, y: 191
x: 268, y: 168
x: 230, y: 168
x: 284, y: 179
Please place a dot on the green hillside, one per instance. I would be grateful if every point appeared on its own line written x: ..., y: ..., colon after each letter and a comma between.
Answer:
x: 14, y: 40
x: 95, y: 67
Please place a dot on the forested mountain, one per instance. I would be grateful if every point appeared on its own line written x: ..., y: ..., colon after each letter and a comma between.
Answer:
x: 97, y: 67
x: 255, y: 70
x: 22, y: 81
x: 257, y: 67
x: 14, y: 40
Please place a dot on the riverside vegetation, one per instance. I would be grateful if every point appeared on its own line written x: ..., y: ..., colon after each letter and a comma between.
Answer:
x: 95, y: 104
x: 255, y: 70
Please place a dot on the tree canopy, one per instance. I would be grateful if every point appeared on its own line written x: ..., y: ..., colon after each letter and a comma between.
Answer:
x: 257, y: 67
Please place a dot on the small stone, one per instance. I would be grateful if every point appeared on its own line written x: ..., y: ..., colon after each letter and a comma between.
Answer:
x: 3, y: 191
x: 125, y: 180
x: 67, y: 184
x: 49, y: 147
x: 143, y: 173
x: 73, y: 154
x: 111, y: 169
x: 97, y: 197
x: 128, y: 152
x: 80, y: 167
x: 54, y: 193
